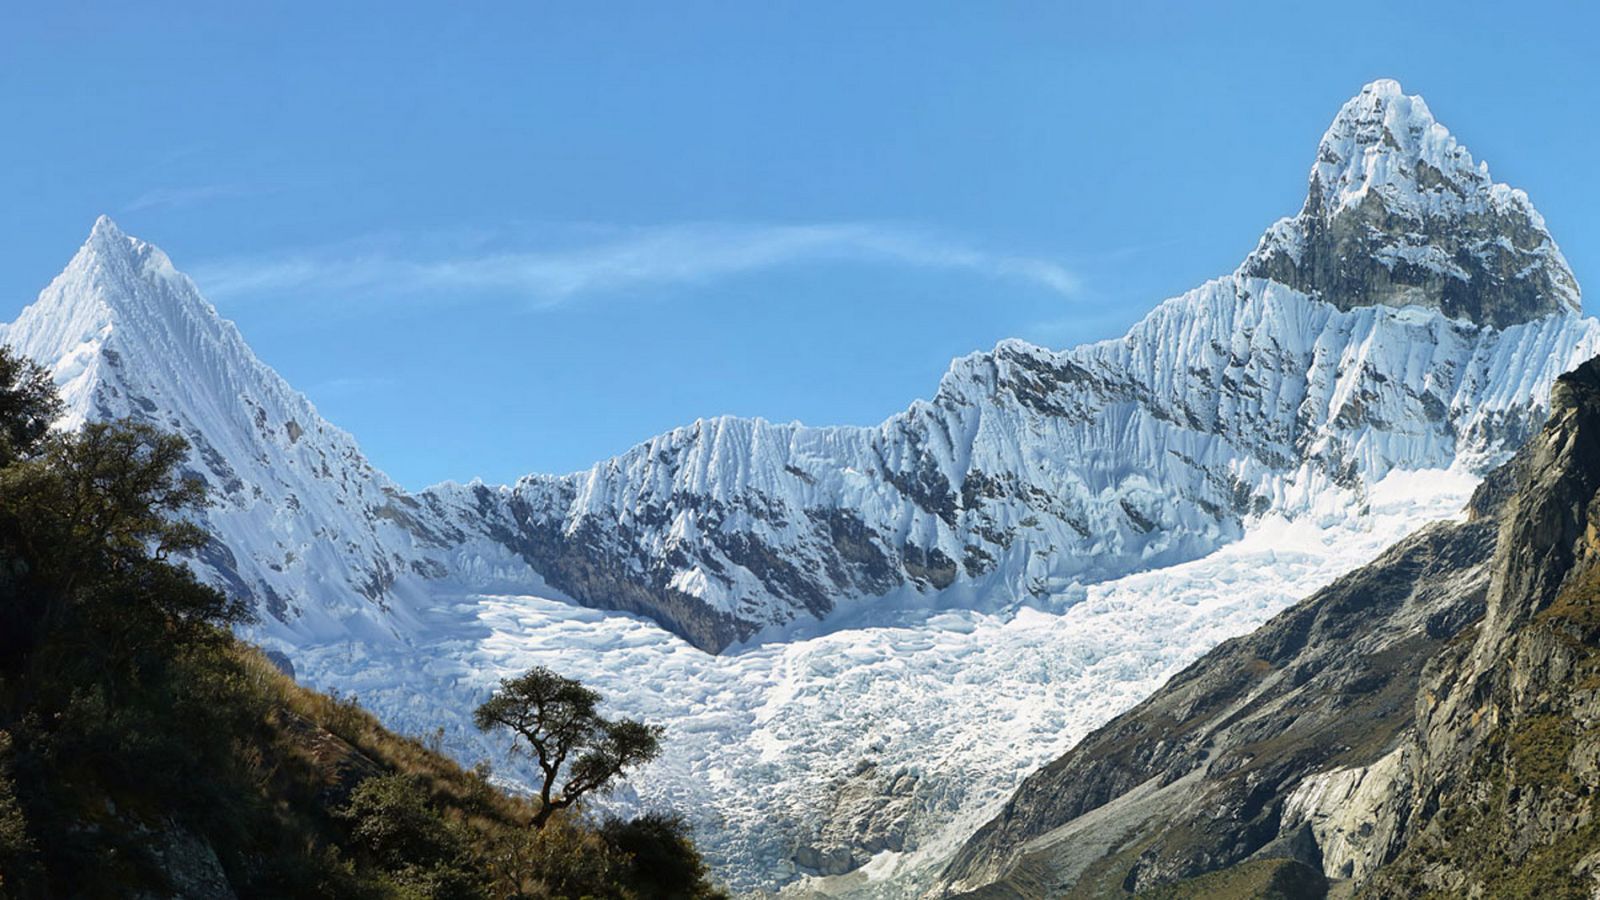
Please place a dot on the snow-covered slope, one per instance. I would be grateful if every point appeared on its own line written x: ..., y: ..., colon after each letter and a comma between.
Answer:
x: 919, y: 586
x: 1029, y: 469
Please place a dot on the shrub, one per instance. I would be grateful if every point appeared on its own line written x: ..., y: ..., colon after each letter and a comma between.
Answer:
x: 659, y: 858
x: 392, y: 821
x: 16, y: 846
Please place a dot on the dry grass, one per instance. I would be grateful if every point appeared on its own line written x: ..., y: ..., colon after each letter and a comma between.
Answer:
x: 462, y: 794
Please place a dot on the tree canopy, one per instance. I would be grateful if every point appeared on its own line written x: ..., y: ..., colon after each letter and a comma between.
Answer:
x: 88, y: 518
x: 560, y: 721
x: 28, y: 405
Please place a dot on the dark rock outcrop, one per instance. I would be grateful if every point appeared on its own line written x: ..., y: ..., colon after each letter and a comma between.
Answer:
x: 1196, y: 778
x: 1400, y: 215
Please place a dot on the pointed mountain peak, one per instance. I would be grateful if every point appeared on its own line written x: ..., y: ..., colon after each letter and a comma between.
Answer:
x: 105, y: 229
x: 115, y: 291
x: 1399, y: 214
x: 111, y: 251
x: 115, y: 278
x: 1387, y: 142
x: 107, y: 242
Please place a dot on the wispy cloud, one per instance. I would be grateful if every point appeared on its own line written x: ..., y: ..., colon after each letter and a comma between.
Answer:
x: 351, y: 385
x: 175, y: 197
x: 615, y: 261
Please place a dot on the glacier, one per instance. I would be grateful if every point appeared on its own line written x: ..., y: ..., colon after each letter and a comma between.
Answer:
x: 855, y: 762
x: 861, y: 638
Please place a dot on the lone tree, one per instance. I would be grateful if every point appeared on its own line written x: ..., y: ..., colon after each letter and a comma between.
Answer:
x: 557, y: 716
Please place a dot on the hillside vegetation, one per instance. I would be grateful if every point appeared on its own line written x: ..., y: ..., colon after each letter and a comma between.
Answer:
x: 146, y: 752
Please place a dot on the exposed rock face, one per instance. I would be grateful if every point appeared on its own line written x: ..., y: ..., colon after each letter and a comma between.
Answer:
x: 1506, y: 750
x: 1429, y: 723
x: 1352, y: 815
x: 1398, y: 214
x: 1197, y: 777
x: 872, y: 813
x: 189, y: 864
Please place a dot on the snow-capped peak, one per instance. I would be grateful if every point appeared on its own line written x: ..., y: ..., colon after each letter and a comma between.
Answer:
x: 1399, y: 214
x: 303, y: 523
x: 1385, y: 141
x: 105, y: 229
x: 114, y: 284
x: 117, y: 252
x: 107, y: 263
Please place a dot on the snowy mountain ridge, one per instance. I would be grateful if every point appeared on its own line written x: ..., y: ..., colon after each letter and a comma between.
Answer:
x: 1410, y: 315
x: 1340, y: 358
x: 1032, y: 469
x: 1028, y: 471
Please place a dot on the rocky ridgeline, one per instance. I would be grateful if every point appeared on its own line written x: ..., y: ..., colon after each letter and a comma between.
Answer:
x: 1399, y: 214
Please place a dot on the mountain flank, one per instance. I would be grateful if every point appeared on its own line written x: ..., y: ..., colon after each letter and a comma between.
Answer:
x: 1426, y: 726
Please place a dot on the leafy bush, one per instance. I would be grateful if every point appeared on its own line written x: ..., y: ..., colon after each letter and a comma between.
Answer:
x: 16, y: 846
x: 661, y: 860
x: 392, y: 822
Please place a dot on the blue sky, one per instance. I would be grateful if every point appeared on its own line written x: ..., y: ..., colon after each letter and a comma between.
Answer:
x: 493, y: 239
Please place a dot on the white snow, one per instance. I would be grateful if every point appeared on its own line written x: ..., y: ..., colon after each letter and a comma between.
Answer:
x: 1380, y: 139
x: 964, y: 689
x: 1238, y: 390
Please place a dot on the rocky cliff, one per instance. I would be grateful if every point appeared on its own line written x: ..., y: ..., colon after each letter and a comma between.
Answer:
x: 1498, y: 795
x: 1428, y: 723
x: 1398, y: 214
